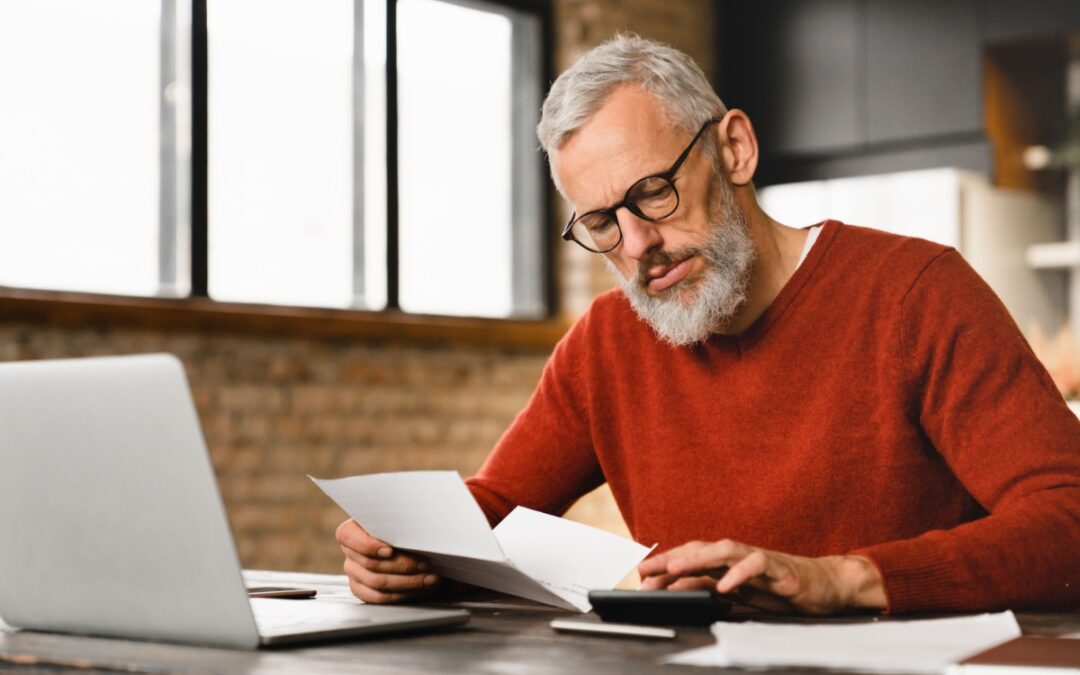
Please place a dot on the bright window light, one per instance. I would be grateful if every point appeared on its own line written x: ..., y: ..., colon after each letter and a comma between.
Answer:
x: 280, y: 128
x: 455, y: 159
x: 80, y: 145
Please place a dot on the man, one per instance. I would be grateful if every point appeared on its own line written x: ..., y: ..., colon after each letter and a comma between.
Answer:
x: 850, y: 417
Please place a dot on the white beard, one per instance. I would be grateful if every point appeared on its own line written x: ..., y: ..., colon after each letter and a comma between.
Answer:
x: 721, y: 290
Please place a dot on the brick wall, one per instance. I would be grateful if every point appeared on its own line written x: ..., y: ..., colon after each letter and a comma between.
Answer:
x: 274, y: 409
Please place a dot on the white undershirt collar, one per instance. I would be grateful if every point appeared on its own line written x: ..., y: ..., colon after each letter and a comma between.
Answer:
x: 811, y: 237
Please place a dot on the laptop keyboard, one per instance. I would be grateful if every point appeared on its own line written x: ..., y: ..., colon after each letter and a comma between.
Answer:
x: 275, y: 616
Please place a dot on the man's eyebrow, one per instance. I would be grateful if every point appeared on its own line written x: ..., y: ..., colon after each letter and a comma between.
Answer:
x: 622, y: 191
x: 606, y: 204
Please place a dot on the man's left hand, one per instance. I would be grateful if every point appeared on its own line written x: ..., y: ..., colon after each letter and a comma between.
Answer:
x: 768, y: 580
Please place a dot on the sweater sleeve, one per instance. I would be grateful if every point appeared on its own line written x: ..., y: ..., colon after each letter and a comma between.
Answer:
x: 545, y: 459
x: 991, y: 410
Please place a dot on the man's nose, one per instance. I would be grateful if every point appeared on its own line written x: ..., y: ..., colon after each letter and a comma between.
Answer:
x: 639, y: 236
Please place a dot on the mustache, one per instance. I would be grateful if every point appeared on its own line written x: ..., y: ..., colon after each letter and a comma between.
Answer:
x: 663, y: 258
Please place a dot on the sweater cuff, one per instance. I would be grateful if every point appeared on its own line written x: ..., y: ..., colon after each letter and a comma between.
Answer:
x: 917, y: 576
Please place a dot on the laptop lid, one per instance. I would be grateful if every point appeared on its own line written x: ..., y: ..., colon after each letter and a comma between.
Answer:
x: 114, y: 525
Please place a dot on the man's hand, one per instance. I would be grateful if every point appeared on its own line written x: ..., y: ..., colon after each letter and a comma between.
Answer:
x: 775, y: 582
x: 379, y: 574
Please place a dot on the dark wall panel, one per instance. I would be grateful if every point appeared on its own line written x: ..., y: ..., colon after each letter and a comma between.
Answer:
x: 923, y: 69
x: 843, y: 87
x: 1005, y: 20
x: 796, y: 67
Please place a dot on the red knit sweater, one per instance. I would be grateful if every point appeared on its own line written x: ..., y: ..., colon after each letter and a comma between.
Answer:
x: 885, y: 404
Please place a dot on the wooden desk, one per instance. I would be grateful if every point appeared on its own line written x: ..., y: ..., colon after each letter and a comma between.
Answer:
x: 505, y: 635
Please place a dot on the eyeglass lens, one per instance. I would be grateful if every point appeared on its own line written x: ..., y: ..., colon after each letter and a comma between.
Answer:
x: 652, y: 198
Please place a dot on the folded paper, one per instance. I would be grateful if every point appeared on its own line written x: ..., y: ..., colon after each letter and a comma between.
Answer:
x: 530, y: 554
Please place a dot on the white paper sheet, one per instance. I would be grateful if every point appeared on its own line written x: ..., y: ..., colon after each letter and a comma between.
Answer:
x: 922, y: 646
x: 430, y: 511
x: 568, y: 558
x: 530, y: 554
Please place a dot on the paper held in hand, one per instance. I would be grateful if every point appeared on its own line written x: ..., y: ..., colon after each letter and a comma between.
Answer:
x: 530, y: 554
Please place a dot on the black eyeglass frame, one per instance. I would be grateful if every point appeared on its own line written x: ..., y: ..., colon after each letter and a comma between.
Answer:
x: 668, y: 176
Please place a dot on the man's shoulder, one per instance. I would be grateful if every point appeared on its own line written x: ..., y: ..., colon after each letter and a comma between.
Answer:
x: 873, y: 246
x: 870, y: 254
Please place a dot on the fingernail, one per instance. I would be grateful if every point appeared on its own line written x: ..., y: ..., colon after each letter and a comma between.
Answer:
x: 424, y: 566
x: 385, y: 552
x: 431, y: 580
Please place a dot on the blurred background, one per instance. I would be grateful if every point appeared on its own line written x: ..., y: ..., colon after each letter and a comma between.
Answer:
x: 336, y: 213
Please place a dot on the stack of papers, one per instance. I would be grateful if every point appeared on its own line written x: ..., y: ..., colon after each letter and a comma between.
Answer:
x: 923, y: 646
x: 530, y: 554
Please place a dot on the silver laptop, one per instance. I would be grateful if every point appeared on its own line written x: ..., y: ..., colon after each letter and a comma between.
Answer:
x: 112, y: 523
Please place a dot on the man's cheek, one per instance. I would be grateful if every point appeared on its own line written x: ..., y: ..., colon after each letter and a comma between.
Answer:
x: 621, y: 267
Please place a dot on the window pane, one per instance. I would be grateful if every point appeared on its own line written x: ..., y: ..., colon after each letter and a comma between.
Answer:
x: 455, y: 159
x: 280, y: 127
x: 80, y: 144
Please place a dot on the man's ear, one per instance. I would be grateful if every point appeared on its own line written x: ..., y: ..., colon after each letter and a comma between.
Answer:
x: 738, y: 147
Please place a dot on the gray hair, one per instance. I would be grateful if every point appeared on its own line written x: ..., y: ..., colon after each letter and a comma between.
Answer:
x: 663, y: 71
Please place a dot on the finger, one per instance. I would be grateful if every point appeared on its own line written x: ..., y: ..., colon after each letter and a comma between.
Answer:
x: 760, y: 599
x: 674, y: 581
x: 709, y: 559
x: 648, y: 568
x: 399, y: 563
x: 658, y: 563
x: 753, y: 565
x: 692, y: 584
x: 389, y: 583
x: 657, y: 582
x: 380, y: 598
x: 372, y: 596
x: 350, y: 535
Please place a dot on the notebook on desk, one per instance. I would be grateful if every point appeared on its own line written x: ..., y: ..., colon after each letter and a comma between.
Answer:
x: 113, y: 525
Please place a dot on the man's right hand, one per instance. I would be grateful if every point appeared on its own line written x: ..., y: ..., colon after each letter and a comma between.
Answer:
x: 379, y: 574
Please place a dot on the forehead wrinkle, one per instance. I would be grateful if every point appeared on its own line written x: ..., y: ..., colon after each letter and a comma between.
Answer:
x: 628, y: 138
x: 606, y: 187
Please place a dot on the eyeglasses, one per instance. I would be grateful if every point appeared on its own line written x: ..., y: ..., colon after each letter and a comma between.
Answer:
x: 651, y: 198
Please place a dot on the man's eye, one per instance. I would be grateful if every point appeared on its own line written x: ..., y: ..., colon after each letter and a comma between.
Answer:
x: 599, y: 225
x: 655, y: 198
x: 655, y: 192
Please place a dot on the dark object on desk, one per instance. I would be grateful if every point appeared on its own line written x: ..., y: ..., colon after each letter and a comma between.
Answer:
x: 1027, y: 654
x: 659, y: 608
x: 280, y: 592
